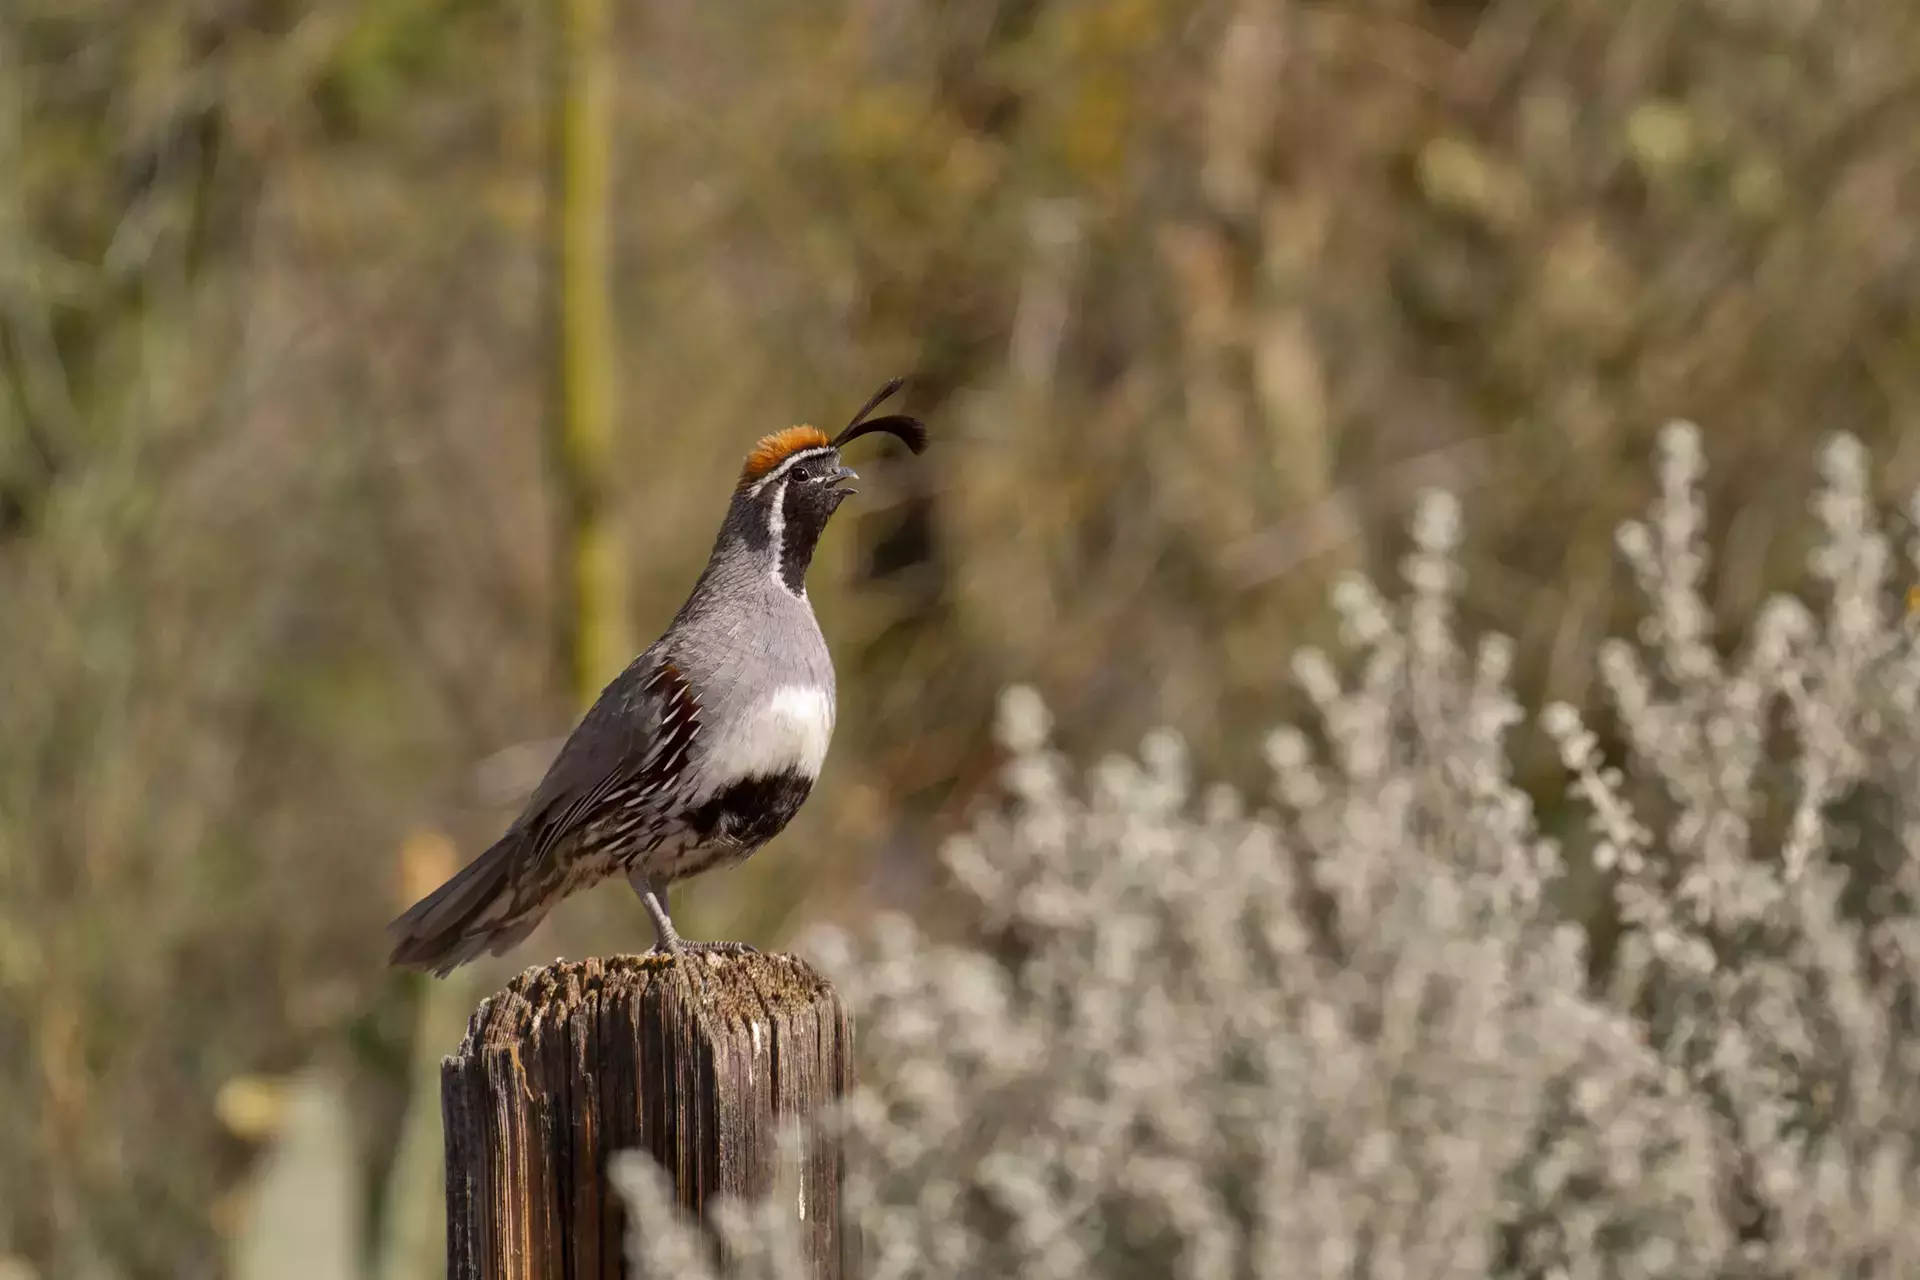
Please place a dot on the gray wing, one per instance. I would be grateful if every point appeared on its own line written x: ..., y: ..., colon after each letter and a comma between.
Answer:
x: 612, y: 782
x: 626, y: 756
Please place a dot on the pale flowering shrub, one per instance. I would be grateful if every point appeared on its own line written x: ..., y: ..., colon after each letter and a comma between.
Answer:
x: 1773, y: 942
x: 1347, y: 1036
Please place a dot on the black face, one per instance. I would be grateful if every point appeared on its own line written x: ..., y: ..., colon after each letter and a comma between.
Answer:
x: 809, y: 493
x: 815, y: 489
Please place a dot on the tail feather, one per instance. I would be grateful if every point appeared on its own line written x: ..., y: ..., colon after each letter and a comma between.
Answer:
x: 472, y: 913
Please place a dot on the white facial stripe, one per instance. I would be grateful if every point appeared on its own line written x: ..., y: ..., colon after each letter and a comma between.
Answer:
x: 786, y: 463
x: 788, y: 732
x: 777, y: 531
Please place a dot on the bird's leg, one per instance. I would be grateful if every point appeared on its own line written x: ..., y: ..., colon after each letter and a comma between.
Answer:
x: 653, y: 896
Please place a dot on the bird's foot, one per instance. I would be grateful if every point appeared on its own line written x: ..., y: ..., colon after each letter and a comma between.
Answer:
x: 724, y: 948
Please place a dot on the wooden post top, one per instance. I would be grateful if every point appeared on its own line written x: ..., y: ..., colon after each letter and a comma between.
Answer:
x: 742, y: 988
x: 576, y: 1061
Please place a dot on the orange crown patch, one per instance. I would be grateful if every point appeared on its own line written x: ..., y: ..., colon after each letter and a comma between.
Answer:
x: 775, y: 449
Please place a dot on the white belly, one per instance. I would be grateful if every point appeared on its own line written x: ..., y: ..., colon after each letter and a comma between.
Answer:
x: 787, y: 732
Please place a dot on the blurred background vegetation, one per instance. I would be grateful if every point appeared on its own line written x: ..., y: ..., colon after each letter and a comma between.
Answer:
x: 321, y: 500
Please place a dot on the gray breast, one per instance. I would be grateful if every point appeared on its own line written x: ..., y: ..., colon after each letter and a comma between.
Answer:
x: 766, y: 693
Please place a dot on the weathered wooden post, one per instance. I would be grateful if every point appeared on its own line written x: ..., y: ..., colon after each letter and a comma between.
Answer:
x: 576, y: 1061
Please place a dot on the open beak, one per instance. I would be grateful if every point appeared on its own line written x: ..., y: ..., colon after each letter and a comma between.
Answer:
x: 842, y: 476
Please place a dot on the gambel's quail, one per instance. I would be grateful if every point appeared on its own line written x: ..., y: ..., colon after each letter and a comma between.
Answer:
x: 703, y: 749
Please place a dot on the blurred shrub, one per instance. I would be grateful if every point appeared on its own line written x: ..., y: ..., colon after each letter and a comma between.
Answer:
x: 1350, y: 1036
x: 1214, y: 287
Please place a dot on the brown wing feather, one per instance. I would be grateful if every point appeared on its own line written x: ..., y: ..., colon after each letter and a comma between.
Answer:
x: 630, y: 749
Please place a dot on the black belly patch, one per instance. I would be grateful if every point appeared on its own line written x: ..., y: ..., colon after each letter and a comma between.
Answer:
x: 752, y: 811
